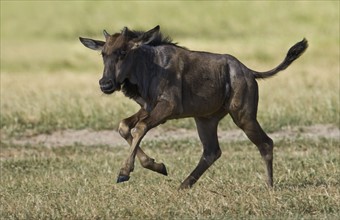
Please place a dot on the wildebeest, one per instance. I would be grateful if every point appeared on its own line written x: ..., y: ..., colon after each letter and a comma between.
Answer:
x: 172, y: 82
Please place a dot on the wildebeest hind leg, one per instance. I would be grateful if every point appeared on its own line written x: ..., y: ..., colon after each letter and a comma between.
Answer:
x: 243, y: 110
x: 207, y: 131
x: 264, y: 143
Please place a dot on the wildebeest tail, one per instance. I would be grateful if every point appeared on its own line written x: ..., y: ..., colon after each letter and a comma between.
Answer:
x: 294, y: 52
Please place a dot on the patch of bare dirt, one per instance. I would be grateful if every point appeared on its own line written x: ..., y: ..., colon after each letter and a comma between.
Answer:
x: 112, y: 138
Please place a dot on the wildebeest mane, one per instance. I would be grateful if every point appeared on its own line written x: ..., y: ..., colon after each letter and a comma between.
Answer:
x: 160, y: 39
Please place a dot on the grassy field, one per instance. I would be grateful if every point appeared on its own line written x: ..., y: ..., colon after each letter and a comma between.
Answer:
x: 77, y: 182
x: 49, y: 82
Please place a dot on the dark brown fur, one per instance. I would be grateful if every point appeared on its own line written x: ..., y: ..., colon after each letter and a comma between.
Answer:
x: 171, y: 82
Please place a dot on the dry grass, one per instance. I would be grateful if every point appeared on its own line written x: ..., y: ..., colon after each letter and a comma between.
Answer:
x: 49, y: 82
x: 52, y: 102
x: 77, y: 182
x: 35, y: 103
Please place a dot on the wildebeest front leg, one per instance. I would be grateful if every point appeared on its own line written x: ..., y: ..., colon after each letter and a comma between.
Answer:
x: 157, y: 116
x: 124, y: 129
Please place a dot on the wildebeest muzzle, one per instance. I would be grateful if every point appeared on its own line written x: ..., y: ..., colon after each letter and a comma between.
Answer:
x: 108, y: 86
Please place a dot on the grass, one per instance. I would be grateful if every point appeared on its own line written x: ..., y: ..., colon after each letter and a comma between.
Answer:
x: 77, y: 182
x: 73, y: 101
x: 49, y: 82
x: 42, y: 107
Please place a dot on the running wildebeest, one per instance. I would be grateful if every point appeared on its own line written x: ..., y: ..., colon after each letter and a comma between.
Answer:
x: 172, y: 82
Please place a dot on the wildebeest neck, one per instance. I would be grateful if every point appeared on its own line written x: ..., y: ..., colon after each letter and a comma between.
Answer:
x: 143, y: 72
x: 130, y: 90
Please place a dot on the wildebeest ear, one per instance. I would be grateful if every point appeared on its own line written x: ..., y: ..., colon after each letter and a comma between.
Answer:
x: 92, y: 44
x: 106, y: 35
x: 150, y: 35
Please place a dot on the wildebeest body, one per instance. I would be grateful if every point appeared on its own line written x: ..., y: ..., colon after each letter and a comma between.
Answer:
x: 198, y: 82
x: 171, y: 82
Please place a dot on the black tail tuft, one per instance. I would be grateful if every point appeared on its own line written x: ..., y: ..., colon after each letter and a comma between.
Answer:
x: 296, y: 51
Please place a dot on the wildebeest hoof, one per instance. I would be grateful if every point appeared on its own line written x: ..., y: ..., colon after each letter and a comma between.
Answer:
x: 122, y: 178
x: 188, y: 183
x: 163, y: 170
x: 184, y: 186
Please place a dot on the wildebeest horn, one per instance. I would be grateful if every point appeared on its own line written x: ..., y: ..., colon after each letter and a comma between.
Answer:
x: 150, y: 35
x: 106, y: 34
x: 124, y: 31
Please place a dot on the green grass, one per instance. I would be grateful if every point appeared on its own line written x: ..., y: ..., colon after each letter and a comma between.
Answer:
x: 48, y: 41
x: 49, y: 82
x: 55, y: 102
x: 78, y: 182
x: 73, y: 101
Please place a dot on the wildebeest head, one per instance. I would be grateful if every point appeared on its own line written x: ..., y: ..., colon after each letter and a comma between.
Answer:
x: 117, y: 52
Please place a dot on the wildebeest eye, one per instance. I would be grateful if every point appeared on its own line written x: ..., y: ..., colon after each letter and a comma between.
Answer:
x: 122, y: 52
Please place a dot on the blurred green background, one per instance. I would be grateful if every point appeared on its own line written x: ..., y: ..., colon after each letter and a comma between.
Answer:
x: 49, y: 81
x: 43, y: 35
